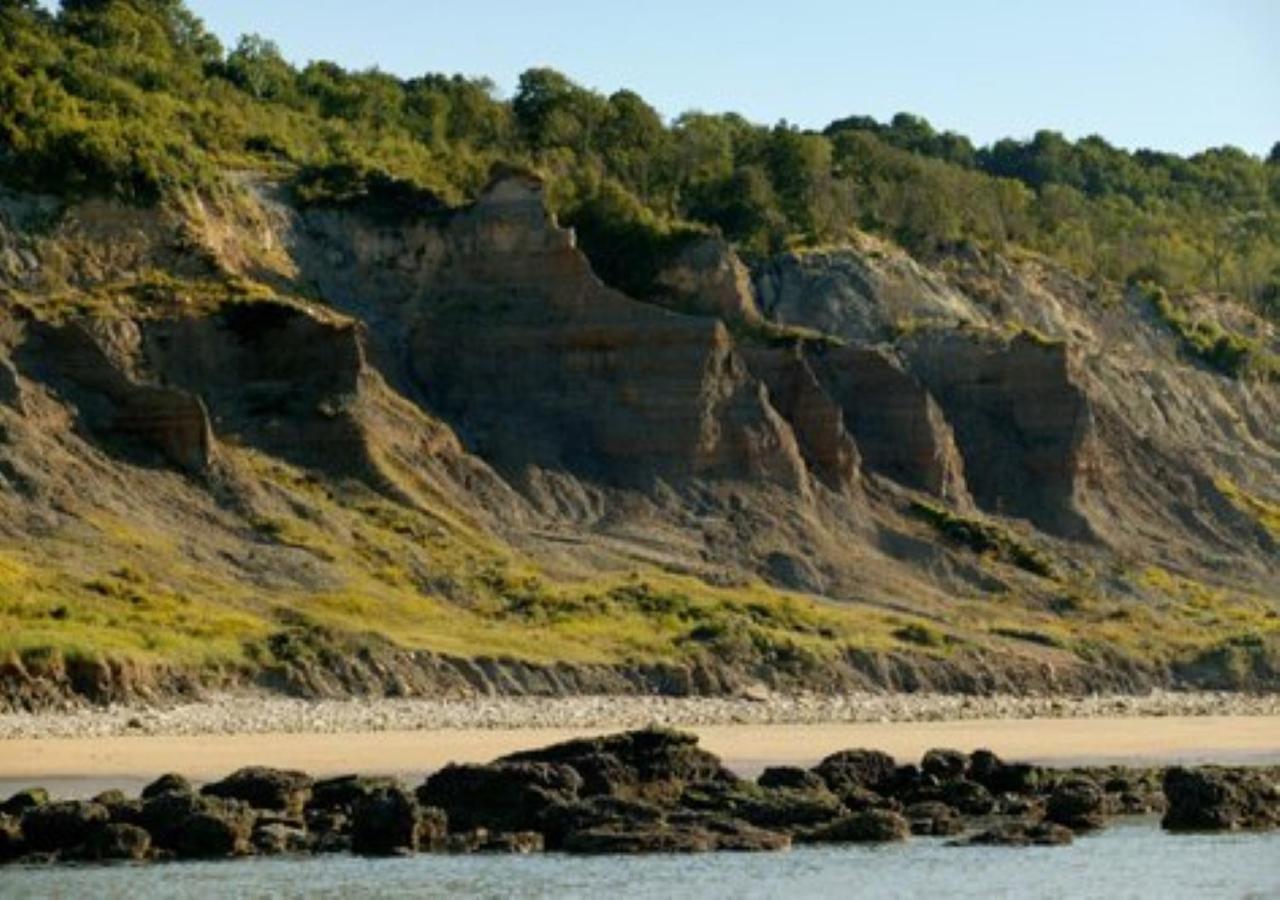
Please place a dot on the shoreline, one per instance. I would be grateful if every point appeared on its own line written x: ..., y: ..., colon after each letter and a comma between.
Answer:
x: 83, y: 766
x: 240, y: 714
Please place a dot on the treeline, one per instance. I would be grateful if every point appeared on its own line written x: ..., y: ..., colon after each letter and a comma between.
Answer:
x: 135, y: 98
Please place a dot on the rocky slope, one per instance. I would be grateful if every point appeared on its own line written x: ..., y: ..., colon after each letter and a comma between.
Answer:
x: 412, y: 449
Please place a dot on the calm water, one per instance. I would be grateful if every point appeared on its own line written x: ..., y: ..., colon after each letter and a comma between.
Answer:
x: 1132, y: 859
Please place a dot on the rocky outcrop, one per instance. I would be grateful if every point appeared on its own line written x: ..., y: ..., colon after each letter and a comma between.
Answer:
x: 707, y: 277
x: 1022, y: 421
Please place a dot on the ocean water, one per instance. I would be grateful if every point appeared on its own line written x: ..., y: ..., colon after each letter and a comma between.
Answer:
x: 1130, y: 859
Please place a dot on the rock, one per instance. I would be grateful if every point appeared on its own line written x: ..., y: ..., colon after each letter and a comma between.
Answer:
x: 870, y: 769
x: 62, y: 825
x: 1077, y: 803
x: 167, y: 784
x: 198, y: 827
x: 1220, y: 800
x: 593, y: 812
x: 24, y: 800
x: 608, y: 839
x: 119, y: 841
x: 342, y: 793
x: 772, y: 808
x: 265, y: 788
x: 859, y: 798
x: 505, y: 796
x: 1000, y: 777
x: 944, y: 765
x: 652, y: 762
x: 933, y: 819
x: 1020, y: 834
x: 12, y: 844
x: 791, y: 777
x: 518, y: 842
x: 276, y: 838
x: 969, y: 797
x: 871, y: 826
x: 389, y: 822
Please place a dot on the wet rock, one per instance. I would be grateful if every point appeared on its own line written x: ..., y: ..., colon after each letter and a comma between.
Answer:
x: 24, y: 800
x: 773, y: 808
x: 265, y: 788
x: 517, y: 842
x: 276, y: 838
x: 118, y: 841
x: 342, y: 793
x: 167, y: 784
x: 594, y: 812
x: 1220, y: 800
x: 792, y: 777
x: 872, y: 826
x: 649, y: 763
x: 62, y: 825
x: 944, y: 765
x: 857, y: 799
x: 198, y: 827
x: 660, y: 838
x: 850, y: 769
x: 1000, y: 777
x: 12, y: 844
x: 1020, y: 834
x: 390, y: 822
x: 968, y: 797
x: 1077, y: 803
x: 933, y: 819
x: 511, y: 796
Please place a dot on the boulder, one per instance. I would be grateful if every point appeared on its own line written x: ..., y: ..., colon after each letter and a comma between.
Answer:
x: 390, y: 822
x: 517, y: 842
x: 969, y: 797
x: 167, y: 784
x: 265, y: 788
x: 773, y: 808
x: 276, y: 838
x: 119, y: 841
x: 1020, y: 834
x: 62, y: 826
x: 944, y: 765
x: 1077, y: 803
x: 849, y: 769
x: 871, y: 826
x: 658, y: 838
x: 792, y: 777
x: 1220, y: 800
x: 1001, y: 777
x: 198, y: 827
x: 12, y: 844
x: 593, y: 812
x: 24, y: 800
x: 504, y: 796
x: 933, y: 819
x: 342, y: 793
x: 649, y: 763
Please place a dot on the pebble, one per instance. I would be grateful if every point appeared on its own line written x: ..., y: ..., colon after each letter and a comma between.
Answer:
x: 266, y: 714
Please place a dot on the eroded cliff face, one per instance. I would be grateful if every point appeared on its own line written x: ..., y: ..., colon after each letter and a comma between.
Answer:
x: 464, y: 409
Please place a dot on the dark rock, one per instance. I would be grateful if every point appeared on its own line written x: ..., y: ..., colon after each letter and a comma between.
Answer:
x: 62, y: 825
x: 1019, y: 805
x: 650, y: 763
x: 265, y: 788
x: 276, y: 838
x: 518, y: 842
x: 1077, y: 803
x: 1000, y: 777
x: 342, y: 793
x: 778, y: 808
x: 12, y: 844
x: 867, y: 827
x: 24, y: 800
x: 857, y: 799
x: 198, y: 827
x: 850, y: 769
x: 944, y: 765
x: 504, y: 796
x: 969, y: 797
x: 658, y: 838
x: 792, y: 777
x: 933, y: 819
x: 111, y: 798
x: 1020, y: 834
x: 387, y: 822
x: 1220, y: 800
x: 593, y: 812
x: 119, y: 841
x: 167, y: 784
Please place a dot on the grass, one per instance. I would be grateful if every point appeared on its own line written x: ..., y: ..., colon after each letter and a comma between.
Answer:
x: 1231, y: 354
x: 985, y: 538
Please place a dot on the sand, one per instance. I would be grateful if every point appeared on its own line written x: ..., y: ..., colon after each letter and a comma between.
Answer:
x: 80, y: 766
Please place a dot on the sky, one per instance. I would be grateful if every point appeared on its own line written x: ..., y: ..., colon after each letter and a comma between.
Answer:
x: 1178, y: 75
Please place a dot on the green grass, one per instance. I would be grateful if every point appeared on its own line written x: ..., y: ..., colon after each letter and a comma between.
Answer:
x: 985, y: 538
x: 1231, y: 354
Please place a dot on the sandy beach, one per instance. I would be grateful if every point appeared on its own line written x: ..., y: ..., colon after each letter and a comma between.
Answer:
x: 77, y: 766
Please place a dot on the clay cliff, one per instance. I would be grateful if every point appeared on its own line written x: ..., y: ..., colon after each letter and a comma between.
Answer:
x: 346, y: 448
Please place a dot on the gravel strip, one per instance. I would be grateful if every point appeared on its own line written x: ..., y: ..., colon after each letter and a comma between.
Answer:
x: 256, y: 714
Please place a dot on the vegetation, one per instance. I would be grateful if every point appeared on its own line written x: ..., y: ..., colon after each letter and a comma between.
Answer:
x: 1204, y: 339
x: 134, y: 98
x: 985, y: 538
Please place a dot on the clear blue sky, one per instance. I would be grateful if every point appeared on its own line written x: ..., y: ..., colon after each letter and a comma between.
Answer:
x: 1177, y: 75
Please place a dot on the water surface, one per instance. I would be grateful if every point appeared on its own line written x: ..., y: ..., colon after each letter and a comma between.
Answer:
x: 1130, y: 859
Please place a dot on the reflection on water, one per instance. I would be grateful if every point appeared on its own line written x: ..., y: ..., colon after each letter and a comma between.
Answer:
x: 1132, y: 859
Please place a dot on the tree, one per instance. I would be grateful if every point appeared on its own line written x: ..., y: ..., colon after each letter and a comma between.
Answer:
x: 551, y: 111
x: 1274, y: 157
x: 257, y: 66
